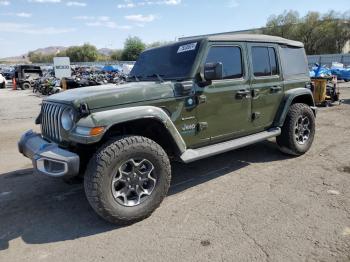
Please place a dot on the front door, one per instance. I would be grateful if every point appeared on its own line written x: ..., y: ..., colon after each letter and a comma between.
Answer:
x: 225, y: 105
x: 266, y: 84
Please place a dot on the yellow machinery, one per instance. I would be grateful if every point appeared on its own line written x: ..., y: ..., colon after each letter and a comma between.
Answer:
x: 319, y: 90
x: 325, y: 90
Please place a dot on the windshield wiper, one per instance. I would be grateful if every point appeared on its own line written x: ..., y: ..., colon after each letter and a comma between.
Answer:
x: 158, y: 76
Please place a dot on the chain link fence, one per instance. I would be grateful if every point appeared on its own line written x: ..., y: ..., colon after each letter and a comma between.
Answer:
x: 327, y: 60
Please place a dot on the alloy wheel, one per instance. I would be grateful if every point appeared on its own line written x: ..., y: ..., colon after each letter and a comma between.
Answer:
x: 134, y: 182
x: 302, y: 130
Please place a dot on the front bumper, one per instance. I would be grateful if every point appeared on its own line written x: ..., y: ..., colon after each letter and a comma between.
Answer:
x: 48, y: 158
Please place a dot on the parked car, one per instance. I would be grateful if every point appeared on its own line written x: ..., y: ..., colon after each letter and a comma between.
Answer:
x: 8, y: 74
x: 3, y: 81
x: 184, y: 102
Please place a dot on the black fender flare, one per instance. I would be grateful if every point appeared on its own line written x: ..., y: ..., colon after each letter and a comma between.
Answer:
x: 296, y: 95
x: 110, y: 118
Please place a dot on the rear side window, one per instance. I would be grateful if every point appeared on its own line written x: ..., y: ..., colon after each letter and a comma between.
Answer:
x: 264, y: 61
x: 294, y: 62
x: 231, y: 59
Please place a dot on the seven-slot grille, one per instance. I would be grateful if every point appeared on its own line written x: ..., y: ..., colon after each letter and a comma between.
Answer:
x: 51, y: 121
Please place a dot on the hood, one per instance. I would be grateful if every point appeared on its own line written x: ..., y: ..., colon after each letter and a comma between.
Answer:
x: 114, y: 95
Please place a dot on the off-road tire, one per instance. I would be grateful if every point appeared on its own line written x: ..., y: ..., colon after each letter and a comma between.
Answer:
x: 102, y: 167
x: 287, y: 140
x: 25, y: 86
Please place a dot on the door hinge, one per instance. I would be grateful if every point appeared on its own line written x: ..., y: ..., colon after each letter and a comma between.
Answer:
x: 202, y: 126
x: 256, y: 115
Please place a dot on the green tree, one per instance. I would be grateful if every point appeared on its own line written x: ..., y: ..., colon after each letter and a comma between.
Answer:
x: 283, y: 25
x: 158, y: 44
x: 33, y: 57
x: 62, y: 53
x: 117, y: 55
x: 40, y: 58
x: 309, y: 32
x: 320, y: 34
x: 102, y: 58
x: 133, y: 47
x: 337, y: 27
x: 85, y: 53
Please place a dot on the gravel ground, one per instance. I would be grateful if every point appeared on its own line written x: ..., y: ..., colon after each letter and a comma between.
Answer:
x: 252, y: 204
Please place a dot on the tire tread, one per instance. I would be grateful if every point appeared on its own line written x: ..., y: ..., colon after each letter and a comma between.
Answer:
x: 100, y: 162
x: 286, y: 139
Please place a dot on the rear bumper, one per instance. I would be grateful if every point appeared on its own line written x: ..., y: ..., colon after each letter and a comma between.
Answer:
x: 48, y: 158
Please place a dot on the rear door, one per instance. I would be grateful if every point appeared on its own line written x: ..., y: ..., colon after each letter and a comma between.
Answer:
x: 266, y: 84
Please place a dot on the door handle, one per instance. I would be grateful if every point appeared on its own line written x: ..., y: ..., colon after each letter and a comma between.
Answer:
x: 275, y: 89
x: 242, y: 94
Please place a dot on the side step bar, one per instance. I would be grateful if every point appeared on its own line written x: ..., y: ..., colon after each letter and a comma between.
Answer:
x: 191, y: 155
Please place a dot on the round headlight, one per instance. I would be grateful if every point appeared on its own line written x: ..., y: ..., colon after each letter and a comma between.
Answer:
x: 67, y: 119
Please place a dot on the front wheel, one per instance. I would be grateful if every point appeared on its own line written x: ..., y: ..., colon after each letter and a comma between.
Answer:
x: 298, y: 130
x: 127, y: 179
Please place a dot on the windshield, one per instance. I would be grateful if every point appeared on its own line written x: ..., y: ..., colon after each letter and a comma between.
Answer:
x: 168, y: 62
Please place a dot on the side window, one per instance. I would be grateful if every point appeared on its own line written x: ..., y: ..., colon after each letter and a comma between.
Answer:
x: 264, y: 61
x: 231, y: 59
x: 294, y: 62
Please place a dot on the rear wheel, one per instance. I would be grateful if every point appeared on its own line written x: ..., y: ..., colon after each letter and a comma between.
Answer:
x: 2, y: 85
x: 127, y: 179
x: 298, y: 130
x: 25, y: 86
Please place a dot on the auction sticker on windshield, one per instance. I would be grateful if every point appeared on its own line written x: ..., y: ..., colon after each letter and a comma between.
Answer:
x: 186, y: 48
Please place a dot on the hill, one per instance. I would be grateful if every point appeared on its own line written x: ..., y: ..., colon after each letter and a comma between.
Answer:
x: 47, y: 51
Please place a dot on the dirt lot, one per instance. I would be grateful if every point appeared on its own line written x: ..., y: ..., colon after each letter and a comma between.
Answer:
x: 253, y: 204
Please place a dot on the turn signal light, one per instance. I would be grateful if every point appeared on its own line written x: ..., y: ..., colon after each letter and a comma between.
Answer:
x: 96, y: 131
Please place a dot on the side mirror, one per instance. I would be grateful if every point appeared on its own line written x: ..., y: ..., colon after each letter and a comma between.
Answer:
x: 213, y: 71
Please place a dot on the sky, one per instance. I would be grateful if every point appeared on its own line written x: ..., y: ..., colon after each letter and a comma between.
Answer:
x: 30, y: 24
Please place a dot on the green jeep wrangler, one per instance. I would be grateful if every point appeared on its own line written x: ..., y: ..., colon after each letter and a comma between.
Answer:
x: 182, y: 102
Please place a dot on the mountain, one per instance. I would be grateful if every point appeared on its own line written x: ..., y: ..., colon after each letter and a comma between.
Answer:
x: 57, y: 49
x: 24, y: 58
x: 106, y: 51
x: 50, y: 50
x: 15, y: 60
x: 47, y: 51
